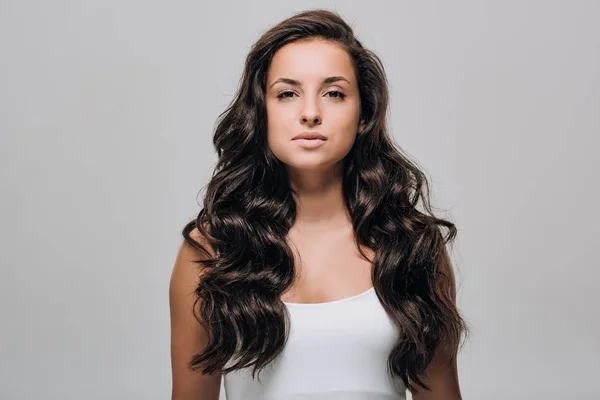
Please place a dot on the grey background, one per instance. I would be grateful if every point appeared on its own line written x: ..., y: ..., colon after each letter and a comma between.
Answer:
x: 107, y: 115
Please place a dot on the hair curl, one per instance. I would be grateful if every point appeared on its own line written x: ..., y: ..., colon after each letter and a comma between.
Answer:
x: 248, y: 209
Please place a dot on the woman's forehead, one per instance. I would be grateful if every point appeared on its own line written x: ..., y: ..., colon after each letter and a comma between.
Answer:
x: 310, y: 62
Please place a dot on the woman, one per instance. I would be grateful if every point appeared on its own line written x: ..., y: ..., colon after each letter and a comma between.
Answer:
x: 310, y: 272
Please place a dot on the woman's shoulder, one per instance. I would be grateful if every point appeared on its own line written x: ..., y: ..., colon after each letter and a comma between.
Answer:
x: 188, y: 336
x: 187, y: 267
x: 195, y: 243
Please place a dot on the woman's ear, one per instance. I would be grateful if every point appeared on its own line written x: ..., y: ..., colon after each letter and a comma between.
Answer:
x: 361, y: 126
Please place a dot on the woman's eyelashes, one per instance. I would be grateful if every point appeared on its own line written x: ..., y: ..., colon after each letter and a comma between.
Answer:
x: 338, y: 94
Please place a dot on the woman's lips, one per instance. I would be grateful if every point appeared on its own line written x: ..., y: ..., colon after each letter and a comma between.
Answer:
x: 309, y: 143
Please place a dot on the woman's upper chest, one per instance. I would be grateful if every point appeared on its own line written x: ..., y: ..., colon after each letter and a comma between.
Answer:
x: 329, y: 267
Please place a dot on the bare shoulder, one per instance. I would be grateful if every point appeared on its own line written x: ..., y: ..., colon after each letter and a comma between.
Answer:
x: 187, y: 271
x: 187, y: 335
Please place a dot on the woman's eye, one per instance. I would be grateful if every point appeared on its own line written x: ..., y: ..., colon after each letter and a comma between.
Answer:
x: 340, y: 95
x: 283, y: 94
x: 289, y: 94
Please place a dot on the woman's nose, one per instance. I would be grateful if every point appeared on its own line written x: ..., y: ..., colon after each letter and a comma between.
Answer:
x: 314, y: 120
x: 311, y: 113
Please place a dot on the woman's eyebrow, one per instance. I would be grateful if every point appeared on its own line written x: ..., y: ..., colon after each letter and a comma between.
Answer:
x: 295, y: 82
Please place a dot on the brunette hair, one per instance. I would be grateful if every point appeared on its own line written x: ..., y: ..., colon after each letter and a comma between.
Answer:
x: 248, y: 209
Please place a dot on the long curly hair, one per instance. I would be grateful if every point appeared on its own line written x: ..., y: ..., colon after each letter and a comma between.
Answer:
x: 248, y: 209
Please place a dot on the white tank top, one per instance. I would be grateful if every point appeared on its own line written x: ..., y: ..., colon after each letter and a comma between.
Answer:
x: 336, y: 350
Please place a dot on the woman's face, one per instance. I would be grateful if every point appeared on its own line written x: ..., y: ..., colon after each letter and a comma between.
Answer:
x: 301, y: 98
